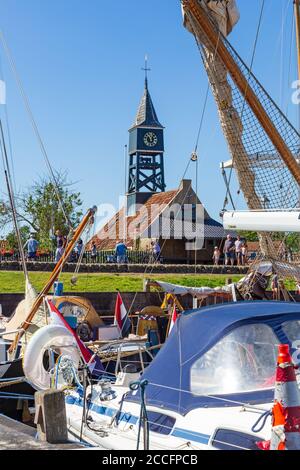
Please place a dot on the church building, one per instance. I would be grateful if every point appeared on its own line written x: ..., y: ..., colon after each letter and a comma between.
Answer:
x: 153, y: 214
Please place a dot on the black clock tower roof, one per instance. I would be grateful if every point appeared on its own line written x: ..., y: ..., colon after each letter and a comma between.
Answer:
x: 146, y: 115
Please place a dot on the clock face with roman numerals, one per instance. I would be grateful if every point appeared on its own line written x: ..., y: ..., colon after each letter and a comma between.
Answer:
x: 150, y: 139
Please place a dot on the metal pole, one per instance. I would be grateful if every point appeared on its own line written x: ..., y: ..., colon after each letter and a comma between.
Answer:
x: 125, y: 193
x: 297, y: 22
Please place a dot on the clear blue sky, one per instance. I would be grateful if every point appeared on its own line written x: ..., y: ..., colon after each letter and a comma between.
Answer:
x: 80, y: 63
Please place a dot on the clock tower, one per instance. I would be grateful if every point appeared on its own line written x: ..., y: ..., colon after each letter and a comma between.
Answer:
x: 146, y: 154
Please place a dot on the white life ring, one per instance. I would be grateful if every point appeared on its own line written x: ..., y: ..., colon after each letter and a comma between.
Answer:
x: 50, y: 336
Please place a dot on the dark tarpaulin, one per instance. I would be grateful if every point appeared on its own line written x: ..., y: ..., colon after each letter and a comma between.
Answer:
x: 196, y: 332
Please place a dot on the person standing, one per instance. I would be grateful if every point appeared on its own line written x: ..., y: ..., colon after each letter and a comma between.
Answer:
x: 238, y: 250
x: 156, y: 251
x: 78, y: 248
x: 216, y: 256
x: 60, y: 245
x: 275, y: 287
x: 229, y: 250
x: 244, y: 254
x: 32, y: 246
x: 94, y: 252
x: 120, y: 252
x: 297, y: 281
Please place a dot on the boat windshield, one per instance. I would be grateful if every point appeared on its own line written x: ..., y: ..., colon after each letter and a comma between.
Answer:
x: 243, y: 361
x: 292, y: 332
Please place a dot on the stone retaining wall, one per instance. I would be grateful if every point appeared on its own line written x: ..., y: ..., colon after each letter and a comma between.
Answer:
x: 130, y: 268
x: 103, y: 302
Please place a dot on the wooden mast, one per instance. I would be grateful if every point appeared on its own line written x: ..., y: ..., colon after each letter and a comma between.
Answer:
x: 199, y: 15
x: 297, y: 22
x: 54, y: 275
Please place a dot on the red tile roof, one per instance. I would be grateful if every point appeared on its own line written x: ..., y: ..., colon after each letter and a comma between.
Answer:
x: 135, y: 225
x: 254, y: 246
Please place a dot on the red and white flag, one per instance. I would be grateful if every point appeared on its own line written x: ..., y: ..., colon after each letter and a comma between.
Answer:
x: 173, y: 318
x: 58, y: 319
x: 121, y: 317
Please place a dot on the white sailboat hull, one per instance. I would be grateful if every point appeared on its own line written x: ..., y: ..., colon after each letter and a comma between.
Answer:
x: 262, y: 221
x: 194, y: 431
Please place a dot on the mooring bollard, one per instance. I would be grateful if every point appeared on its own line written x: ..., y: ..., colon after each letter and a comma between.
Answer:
x: 50, y: 416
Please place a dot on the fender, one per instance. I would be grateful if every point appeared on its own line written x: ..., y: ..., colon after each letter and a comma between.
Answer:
x: 50, y: 336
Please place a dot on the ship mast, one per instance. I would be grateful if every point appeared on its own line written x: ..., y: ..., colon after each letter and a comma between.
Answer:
x: 202, y: 19
x: 297, y: 21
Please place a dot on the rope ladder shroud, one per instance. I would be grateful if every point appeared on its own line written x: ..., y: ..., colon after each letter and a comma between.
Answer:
x: 264, y: 145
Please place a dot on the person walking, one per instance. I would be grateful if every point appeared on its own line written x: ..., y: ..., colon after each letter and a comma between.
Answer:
x: 238, y: 250
x: 216, y: 256
x: 229, y: 250
x: 32, y: 246
x: 120, y: 252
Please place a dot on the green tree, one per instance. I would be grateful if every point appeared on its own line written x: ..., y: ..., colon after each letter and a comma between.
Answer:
x: 291, y: 240
x: 250, y: 236
x: 11, y: 238
x: 39, y: 209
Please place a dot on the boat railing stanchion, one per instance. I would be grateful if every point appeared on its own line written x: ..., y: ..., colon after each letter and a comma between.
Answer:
x: 141, y: 358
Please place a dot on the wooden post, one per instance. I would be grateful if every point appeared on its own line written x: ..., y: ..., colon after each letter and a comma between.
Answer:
x: 201, y: 18
x: 50, y: 416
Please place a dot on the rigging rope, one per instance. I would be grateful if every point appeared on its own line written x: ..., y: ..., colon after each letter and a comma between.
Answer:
x: 8, y: 132
x: 34, y: 125
x: 12, y: 199
x: 193, y: 158
x: 245, y: 93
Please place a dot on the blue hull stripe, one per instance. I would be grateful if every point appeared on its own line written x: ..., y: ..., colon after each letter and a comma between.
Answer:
x: 129, y: 418
x: 191, y: 435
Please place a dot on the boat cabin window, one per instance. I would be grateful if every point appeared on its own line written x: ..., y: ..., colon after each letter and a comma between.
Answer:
x: 242, y: 361
x: 160, y: 423
x: 229, y: 439
x: 292, y: 330
x: 71, y: 309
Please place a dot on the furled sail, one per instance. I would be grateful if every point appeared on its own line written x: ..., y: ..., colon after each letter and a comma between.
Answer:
x: 21, y: 312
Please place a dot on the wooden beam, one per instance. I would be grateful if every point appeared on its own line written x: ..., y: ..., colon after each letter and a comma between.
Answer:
x: 201, y: 18
x: 53, y: 277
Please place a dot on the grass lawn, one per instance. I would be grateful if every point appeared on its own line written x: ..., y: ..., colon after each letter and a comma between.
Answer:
x: 13, y: 282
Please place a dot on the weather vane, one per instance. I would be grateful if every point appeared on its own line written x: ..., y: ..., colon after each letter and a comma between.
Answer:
x: 146, y: 69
